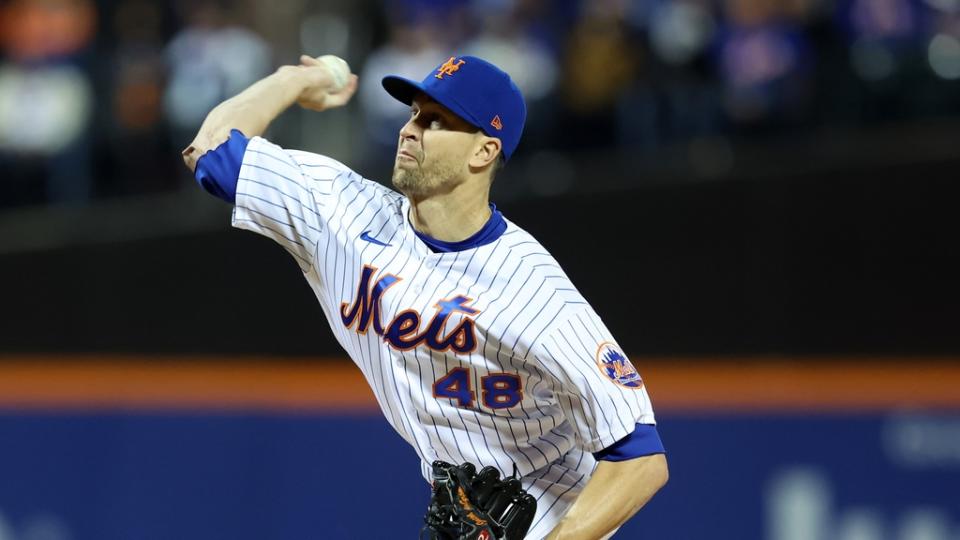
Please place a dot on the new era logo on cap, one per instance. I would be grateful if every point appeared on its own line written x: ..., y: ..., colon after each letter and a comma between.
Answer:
x: 475, y: 90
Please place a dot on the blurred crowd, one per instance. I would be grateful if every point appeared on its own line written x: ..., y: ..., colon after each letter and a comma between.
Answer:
x: 98, y: 96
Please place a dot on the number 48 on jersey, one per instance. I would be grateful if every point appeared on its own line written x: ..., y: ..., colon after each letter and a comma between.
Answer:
x: 499, y: 390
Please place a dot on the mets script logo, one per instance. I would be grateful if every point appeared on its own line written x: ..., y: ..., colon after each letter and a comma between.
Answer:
x: 614, y: 364
x: 403, y: 332
x: 449, y: 67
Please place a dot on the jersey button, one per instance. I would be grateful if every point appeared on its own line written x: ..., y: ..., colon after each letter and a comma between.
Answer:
x: 399, y: 362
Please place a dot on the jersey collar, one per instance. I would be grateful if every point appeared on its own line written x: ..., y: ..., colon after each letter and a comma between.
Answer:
x: 492, y: 230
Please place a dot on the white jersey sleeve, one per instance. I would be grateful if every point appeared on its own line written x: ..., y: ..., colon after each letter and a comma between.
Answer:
x: 598, y: 389
x: 282, y: 194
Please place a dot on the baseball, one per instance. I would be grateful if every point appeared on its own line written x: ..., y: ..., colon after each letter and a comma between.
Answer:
x: 339, y: 69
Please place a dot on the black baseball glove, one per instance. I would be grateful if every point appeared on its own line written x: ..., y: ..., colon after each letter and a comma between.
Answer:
x: 467, y: 505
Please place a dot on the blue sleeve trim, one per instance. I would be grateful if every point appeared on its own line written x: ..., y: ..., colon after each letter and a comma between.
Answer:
x: 219, y: 170
x: 644, y: 441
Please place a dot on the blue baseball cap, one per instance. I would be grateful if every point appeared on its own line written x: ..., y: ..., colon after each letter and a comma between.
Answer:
x: 475, y: 90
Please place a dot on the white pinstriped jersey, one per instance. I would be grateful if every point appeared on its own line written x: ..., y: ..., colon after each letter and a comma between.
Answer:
x: 487, y: 355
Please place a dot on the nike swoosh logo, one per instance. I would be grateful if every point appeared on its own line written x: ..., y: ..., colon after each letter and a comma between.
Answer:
x: 366, y: 236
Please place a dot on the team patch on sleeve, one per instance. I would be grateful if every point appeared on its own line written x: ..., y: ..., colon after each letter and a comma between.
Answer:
x: 616, y: 367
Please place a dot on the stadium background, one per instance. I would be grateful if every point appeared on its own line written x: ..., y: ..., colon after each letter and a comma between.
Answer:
x: 758, y: 196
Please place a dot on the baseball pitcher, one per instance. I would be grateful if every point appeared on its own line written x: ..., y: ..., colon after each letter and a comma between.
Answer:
x: 528, y: 418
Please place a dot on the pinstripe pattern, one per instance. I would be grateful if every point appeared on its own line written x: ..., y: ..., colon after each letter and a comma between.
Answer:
x: 532, y: 323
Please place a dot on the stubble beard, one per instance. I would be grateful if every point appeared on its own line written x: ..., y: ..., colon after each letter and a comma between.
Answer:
x: 408, y: 180
x: 419, y: 182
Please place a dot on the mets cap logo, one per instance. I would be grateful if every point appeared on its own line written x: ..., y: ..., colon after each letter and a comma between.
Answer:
x: 449, y: 67
x: 615, y: 366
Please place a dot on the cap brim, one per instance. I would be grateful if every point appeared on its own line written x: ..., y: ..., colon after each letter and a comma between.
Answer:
x: 403, y: 90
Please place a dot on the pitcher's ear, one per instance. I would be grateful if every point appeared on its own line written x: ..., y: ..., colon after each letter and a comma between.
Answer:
x: 488, y: 151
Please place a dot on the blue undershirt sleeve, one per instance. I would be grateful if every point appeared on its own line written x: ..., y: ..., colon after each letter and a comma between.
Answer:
x: 643, y: 441
x: 218, y: 170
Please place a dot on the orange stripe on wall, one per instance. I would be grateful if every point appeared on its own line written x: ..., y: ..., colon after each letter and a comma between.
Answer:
x: 184, y: 383
x: 817, y: 385
x: 264, y: 384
